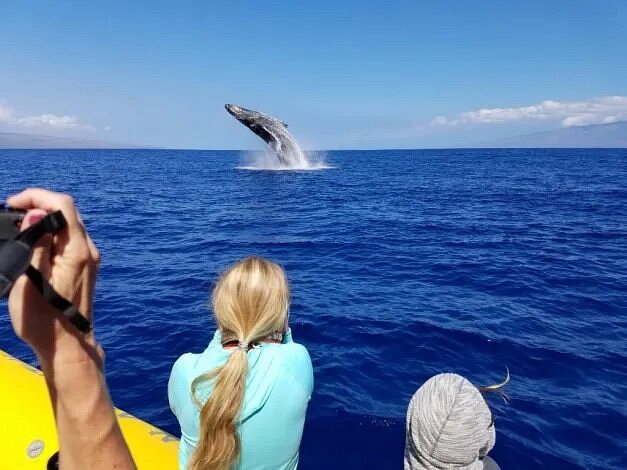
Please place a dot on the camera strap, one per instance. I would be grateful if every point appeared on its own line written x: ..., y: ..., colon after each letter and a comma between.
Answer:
x: 20, y: 251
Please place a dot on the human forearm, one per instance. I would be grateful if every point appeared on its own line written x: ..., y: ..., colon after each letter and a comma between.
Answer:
x: 88, y: 432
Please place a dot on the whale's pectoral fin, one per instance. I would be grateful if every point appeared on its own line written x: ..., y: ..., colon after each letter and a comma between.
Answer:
x: 267, y: 136
x: 262, y: 132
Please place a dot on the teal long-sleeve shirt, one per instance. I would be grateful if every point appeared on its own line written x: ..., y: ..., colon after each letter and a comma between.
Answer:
x: 279, y: 384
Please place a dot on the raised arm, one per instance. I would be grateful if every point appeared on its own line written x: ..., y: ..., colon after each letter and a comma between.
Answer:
x: 72, y: 362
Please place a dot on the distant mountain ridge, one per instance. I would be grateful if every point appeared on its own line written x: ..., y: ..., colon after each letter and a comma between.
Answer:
x: 613, y: 135
x: 9, y: 140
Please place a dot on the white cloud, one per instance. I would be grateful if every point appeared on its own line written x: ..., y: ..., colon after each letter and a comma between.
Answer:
x: 6, y: 114
x: 605, y: 109
x: 51, y: 120
x: 42, y: 121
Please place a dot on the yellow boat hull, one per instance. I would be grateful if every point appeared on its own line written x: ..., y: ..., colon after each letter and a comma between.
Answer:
x: 28, y: 437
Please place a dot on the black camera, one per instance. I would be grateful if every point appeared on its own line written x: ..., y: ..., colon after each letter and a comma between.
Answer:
x: 16, y: 252
x: 8, y: 214
x: 14, y: 256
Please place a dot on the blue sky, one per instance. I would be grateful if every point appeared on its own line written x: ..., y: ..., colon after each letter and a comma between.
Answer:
x: 343, y: 74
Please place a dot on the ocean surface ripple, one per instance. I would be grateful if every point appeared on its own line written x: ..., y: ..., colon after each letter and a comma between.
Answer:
x: 402, y: 264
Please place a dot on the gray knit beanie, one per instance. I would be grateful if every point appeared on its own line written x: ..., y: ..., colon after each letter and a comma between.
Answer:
x: 449, y: 426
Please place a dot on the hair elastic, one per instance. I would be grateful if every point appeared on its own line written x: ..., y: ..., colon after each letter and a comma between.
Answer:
x: 277, y: 336
x: 243, y: 346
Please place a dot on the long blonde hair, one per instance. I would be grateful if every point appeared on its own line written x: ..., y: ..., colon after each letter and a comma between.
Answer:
x: 250, y: 303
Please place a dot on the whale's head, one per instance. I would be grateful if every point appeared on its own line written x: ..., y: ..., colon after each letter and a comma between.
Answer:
x: 243, y: 115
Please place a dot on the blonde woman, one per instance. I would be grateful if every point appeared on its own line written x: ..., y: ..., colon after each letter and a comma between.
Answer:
x: 241, y: 403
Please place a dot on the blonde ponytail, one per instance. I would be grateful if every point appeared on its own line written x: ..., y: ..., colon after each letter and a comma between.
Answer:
x: 250, y: 303
x: 219, y: 445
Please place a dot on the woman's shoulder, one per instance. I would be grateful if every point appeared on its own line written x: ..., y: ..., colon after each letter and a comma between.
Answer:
x: 490, y: 464
x: 183, y: 367
x: 190, y: 363
x: 296, y: 363
x: 185, y: 360
x: 295, y: 352
x: 179, y: 383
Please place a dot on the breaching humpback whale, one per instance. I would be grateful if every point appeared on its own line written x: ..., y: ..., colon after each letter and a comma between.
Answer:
x: 273, y: 132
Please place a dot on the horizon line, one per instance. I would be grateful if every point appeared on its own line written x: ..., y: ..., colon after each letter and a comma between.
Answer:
x: 386, y: 149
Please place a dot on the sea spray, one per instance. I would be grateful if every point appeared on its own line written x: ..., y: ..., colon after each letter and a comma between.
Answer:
x: 266, y: 160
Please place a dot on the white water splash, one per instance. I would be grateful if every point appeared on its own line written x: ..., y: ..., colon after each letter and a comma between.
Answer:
x: 268, y: 161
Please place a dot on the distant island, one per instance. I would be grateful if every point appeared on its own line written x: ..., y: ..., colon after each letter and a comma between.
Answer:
x: 612, y: 135
x: 10, y: 140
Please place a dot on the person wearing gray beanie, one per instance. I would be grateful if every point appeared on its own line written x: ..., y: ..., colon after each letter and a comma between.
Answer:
x: 449, y: 425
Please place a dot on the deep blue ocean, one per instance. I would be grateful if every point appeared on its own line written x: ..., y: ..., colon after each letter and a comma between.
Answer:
x: 402, y: 263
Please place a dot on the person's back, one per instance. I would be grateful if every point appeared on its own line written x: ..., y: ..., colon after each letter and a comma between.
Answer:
x: 242, y: 402
x: 278, y: 386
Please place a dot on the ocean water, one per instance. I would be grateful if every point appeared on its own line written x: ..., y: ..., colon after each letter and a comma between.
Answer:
x: 402, y: 264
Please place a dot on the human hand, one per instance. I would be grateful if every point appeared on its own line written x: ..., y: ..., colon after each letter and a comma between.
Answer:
x: 69, y: 261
